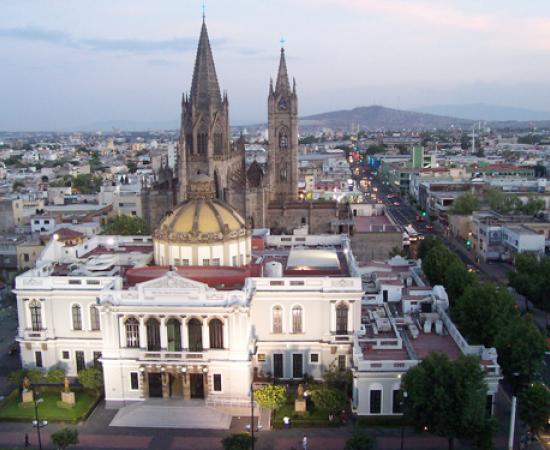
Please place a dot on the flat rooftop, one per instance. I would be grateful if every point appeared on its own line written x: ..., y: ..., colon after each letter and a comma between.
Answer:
x: 374, y: 224
x: 419, y: 344
x: 303, y: 261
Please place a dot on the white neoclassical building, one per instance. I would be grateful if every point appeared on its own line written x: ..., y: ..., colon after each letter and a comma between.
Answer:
x: 293, y: 306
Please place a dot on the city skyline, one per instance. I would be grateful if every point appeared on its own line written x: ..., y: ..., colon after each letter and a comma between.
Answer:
x: 71, y: 65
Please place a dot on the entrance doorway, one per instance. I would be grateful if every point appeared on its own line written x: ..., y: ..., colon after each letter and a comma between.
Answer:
x: 196, y: 381
x: 297, y: 365
x: 155, y: 385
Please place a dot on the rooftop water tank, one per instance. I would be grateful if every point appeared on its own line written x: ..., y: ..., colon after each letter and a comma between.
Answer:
x: 273, y: 269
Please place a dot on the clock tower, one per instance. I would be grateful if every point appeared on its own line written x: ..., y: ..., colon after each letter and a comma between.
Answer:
x: 283, y: 137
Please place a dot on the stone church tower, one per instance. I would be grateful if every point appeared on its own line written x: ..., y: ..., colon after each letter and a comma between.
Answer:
x: 283, y: 137
x: 204, y: 144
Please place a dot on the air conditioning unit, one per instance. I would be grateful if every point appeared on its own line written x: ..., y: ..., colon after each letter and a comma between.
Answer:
x: 333, y: 350
x: 44, y: 347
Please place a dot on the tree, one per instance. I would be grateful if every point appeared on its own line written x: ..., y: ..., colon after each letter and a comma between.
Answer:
x: 446, y: 396
x: 240, y: 441
x: 501, y: 202
x: 397, y: 251
x: 482, y: 312
x: 17, y: 185
x: 435, y: 264
x: 55, y: 375
x: 329, y: 399
x: 272, y: 396
x: 65, y: 437
x: 534, y: 406
x: 91, y: 379
x: 87, y: 184
x: 520, y: 346
x: 127, y: 226
x: 132, y: 166
x: 465, y: 205
x: 457, y: 279
x: 532, y: 206
x: 339, y: 379
x: 427, y: 244
x: 359, y: 440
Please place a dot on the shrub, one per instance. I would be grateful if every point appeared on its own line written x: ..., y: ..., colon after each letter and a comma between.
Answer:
x: 240, y: 441
x: 65, y: 437
x: 271, y: 396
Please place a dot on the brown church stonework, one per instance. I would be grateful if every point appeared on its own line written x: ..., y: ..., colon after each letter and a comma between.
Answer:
x: 265, y: 200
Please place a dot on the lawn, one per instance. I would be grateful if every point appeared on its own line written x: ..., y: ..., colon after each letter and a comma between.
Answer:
x: 48, y: 409
x: 312, y: 418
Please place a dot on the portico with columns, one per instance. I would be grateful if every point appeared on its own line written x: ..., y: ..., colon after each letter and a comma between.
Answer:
x: 176, y: 338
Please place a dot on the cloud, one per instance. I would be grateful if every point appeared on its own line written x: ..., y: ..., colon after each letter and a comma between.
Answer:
x: 179, y: 44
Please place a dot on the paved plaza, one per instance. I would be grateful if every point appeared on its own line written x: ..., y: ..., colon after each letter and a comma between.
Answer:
x: 164, y: 413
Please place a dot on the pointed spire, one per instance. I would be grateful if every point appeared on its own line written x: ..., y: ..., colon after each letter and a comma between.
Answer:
x: 283, y: 84
x: 271, y: 86
x: 205, y: 89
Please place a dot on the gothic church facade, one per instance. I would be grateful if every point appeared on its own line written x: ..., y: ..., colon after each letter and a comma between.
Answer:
x: 205, y: 145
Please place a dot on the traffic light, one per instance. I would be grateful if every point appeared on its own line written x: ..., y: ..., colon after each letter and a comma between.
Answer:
x: 468, y: 243
x: 423, y: 213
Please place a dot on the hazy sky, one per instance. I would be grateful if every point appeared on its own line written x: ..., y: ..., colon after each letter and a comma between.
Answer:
x: 71, y: 63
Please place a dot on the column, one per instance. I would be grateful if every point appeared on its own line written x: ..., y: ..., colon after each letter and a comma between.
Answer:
x: 163, y: 334
x: 205, y: 335
x: 332, y: 316
x: 142, y: 333
x: 186, y: 386
x: 205, y: 384
x: 225, y: 333
x: 184, y: 335
x: 122, y: 328
x: 145, y: 384
x: 351, y: 324
x: 165, y: 378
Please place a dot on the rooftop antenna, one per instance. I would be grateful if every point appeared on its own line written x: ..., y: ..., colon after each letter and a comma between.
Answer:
x: 203, y: 11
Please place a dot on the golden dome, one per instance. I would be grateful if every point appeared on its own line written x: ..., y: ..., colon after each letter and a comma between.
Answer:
x: 201, y: 218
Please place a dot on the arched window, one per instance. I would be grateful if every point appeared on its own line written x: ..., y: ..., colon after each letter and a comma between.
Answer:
x: 132, y: 333
x: 77, y: 317
x: 218, y: 141
x: 202, y: 140
x: 216, y: 333
x: 342, y: 319
x: 173, y: 329
x: 283, y: 138
x: 297, y: 318
x: 194, y: 327
x: 36, y: 315
x: 283, y: 173
x: 277, y: 319
x: 94, y: 318
x: 153, y: 334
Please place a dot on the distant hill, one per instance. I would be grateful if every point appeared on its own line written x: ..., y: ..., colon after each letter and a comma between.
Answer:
x: 486, y: 112
x: 375, y: 117
x: 380, y: 117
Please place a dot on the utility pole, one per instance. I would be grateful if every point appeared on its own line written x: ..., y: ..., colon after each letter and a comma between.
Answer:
x: 252, y: 414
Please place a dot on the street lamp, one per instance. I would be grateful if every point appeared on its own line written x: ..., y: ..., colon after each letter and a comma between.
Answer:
x: 36, y: 422
x: 403, y: 420
x: 252, y: 415
x: 513, y: 412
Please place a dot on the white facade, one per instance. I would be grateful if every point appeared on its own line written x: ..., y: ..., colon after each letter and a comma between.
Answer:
x: 296, y: 325
x: 172, y: 337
